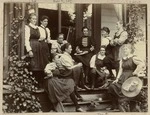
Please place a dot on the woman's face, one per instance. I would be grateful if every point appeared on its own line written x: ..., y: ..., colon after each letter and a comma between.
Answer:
x: 118, y: 25
x: 102, y: 51
x: 33, y: 19
x: 60, y: 38
x: 127, y: 50
x: 69, y: 49
x: 44, y: 22
x: 104, y: 33
x: 85, y: 32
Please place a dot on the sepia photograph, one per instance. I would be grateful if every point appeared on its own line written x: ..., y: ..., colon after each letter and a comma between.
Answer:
x: 75, y: 57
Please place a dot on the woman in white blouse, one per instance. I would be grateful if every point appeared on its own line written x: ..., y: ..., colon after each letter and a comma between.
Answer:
x: 99, y: 72
x: 71, y: 69
x: 36, y: 48
x: 130, y: 65
x: 45, y: 39
x: 44, y: 31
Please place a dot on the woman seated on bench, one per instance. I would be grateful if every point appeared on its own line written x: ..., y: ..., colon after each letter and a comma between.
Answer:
x: 58, y: 87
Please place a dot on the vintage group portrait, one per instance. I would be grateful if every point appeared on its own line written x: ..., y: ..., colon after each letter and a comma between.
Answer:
x: 65, y: 56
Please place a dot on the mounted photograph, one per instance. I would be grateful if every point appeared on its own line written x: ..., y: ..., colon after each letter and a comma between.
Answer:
x: 75, y: 57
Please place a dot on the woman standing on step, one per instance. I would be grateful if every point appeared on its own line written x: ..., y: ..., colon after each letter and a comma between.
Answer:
x: 114, y: 49
x: 37, y: 49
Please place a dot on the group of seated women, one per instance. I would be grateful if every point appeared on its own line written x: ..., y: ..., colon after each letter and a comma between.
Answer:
x: 65, y: 75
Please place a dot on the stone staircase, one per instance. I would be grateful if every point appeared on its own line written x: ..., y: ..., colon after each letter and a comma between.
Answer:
x: 93, y: 100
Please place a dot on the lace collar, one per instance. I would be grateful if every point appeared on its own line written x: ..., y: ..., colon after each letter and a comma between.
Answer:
x: 99, y: 56
x: 33, y: 26
x: 127, y: 57
x: 43, y: 26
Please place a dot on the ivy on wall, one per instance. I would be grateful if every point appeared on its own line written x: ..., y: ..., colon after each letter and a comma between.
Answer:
x: 20, y: 79
x: 135, y: 12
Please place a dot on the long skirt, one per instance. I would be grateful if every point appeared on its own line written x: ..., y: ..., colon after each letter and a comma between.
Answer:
x: 85, y: 59
x: 59, y: 89
x: 115, y: 88
x: 41, y: 55
x: 77, y: 75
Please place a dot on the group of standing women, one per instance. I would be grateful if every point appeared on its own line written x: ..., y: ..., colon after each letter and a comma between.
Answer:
x: 37, y: 41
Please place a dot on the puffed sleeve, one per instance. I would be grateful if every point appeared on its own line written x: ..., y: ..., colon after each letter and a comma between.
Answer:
x: 140, y: 64
x: 49, y: 35
x: 49, y: 67
x: 92, y: 62
x: 27, y: 38
x: 65, y: 62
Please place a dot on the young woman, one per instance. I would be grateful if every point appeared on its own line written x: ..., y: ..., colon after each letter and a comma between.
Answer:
x: 56, y: 44
x: 114, y: 49
x: 129, y: 66
x: 72, y: 69
x: 45, y: 38
x: 62, y: 85
x: 84, y: 50
x: 99, y: 72
x: 105, y: 38
x: 36, y: 48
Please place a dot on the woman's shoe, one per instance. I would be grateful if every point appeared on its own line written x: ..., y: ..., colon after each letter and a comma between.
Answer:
x: 86, y: 87
x: 92, y: 87
x: 80, y: 89
x: 80, y: 110
x: 112, y: 108
x: 105, y: 85
x: 79, y: 98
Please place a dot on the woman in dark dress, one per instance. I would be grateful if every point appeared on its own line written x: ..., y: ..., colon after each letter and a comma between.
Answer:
x: 84, y: 50
x: 37, y: 49
x: 114, y: 49
x: 130, y: 66
x: 98, y: 72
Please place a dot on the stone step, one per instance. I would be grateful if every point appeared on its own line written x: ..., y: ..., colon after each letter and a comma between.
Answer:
x: 91, y: 102
x: 87, y: 100
x: 93, y: 91
x: 88, y: 106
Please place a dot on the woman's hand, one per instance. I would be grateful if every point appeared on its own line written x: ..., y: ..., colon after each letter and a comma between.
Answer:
x: 80, y: 64
x: 92, y: 48
x: 78, y: 50
x: 115, y: 81
x: 134, y: 74
x: 30, y: 54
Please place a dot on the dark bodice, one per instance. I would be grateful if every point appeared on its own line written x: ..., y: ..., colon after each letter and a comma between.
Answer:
x: 128, y: 64
x: 99, y: 63
x: 85, y: 43
x: 34, y: 33
x: 128, y: 67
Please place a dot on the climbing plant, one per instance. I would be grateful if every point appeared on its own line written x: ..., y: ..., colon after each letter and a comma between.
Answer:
x: 135, y: 13
x: 20, y: 79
